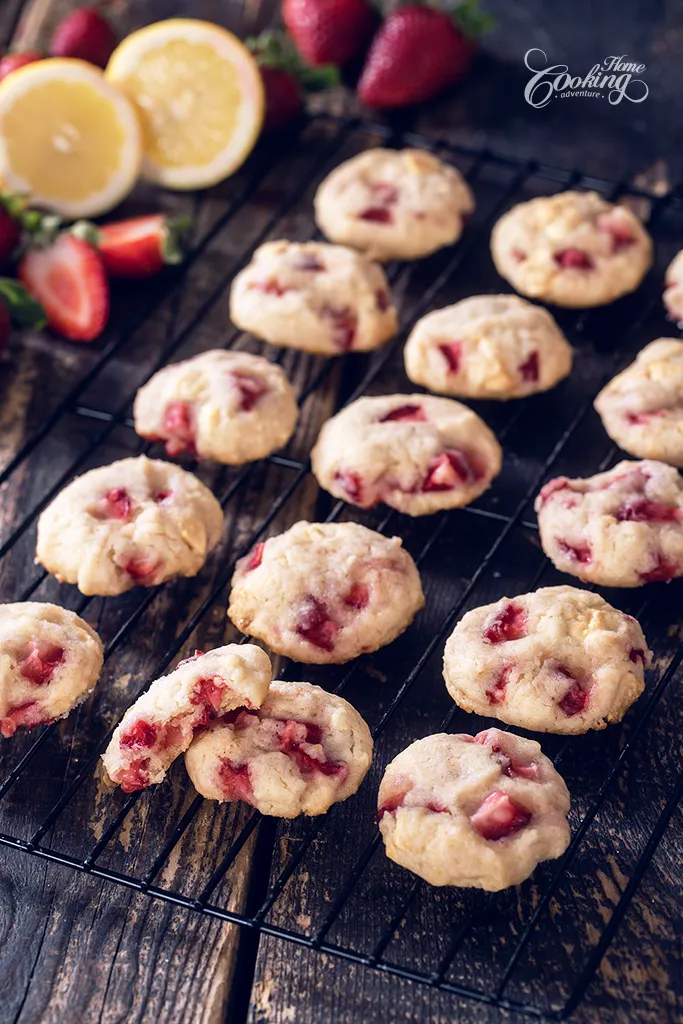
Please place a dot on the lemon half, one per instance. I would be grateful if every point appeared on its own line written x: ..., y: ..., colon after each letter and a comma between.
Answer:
x: 199, y: 95
x: 68, y: 138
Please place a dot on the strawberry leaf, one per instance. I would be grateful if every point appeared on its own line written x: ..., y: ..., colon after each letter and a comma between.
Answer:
x: 23, y: 308
x: 175, y: 234
x: 276, y: 50
x: 472, y: 20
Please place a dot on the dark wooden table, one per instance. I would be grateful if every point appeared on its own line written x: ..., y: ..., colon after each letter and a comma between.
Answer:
x: 75, y: 949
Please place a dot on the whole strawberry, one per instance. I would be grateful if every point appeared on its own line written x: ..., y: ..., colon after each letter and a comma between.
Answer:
x: 10, y: 236
x: 417, y: 53
x: 329, y: 31
x: 286, y: 78
x: 13, y: 61
x: 85, y: 34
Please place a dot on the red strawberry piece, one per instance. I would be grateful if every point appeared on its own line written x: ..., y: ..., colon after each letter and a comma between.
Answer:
x: 69, y: 281
x: 135, y: 776
x: 499, y: 816
x: 529, y: 368
x: 235, y: 781
x: 637, y: 419
x: 209, y: 692
x: 390, y: 806
x: 161, y: 496
x: 351, y: 484
x: 560, y: 483
x: 357, y: 597
x: 239, y: 717
x: 416, y: 54
x: 10, y: 232
x: 580, y: 553
x: 573, y: 259
x: 250, y: 388
x: 508, y: 624
x: 316, y: 626
x: 343, y: 325
x: 84, y: 34
x: 272, y: 287
x: 510, y: 766
x: 452, y: 353
x: 637, y: 654
x: 496, y: 693
x: 329, y: 31
x: 663, y: 571
x: 284, y: 99
x: 141, y: 568
x: 186, y: 661
x: 141, y: 246
x: 27, y: 714
x: 517, y: 255
x: 376, y: 215
x: 384, y: 193
x: 13, y: 61
x: 640, y: 510
x: 382, y: 299
x: 449, y: 470
x: 255, y: 556
x: 140, y: 736
x: 413, y: 413
x: 308, y: 262
x: 576, y: 698
x: 616, y: 225
x: 38, y: 663
x: 118, y: 504
x: 297, y: 733
x: 178, y: 428
x: 307, y: 764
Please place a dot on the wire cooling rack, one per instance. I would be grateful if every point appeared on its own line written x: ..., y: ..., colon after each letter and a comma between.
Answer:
x: 325, y: 883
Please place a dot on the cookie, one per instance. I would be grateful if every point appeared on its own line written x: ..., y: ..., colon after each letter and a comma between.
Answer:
x: 303, y: 750
x: 416, y: 453
x: 673, y: 288
x: 622, y: 528
x: 324, y: 593
x: 160, y: 725
x: 134, y: 523
x: 572, y: 249
x: 318, y: 298
x: 557, y: 660
x: 642, y: 407
x: 394, y: 204
x: 50, y: 660
x: 231, y: 407
x: 488, y: 346
x: 478, y: 811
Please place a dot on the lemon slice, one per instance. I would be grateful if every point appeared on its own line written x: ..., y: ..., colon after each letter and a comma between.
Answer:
x: 199, y: 95
x: 68, y: 138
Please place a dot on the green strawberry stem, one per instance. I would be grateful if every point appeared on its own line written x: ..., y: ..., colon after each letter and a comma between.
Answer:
x: 274, y: 49
x: 23, y: 308
x: 175, y: 238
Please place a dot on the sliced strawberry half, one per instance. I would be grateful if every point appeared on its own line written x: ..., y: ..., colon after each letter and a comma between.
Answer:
x: 141, y: 246
x: 69, y: 281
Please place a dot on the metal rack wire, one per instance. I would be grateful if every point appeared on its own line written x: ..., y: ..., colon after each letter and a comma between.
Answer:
x: 498, y: 522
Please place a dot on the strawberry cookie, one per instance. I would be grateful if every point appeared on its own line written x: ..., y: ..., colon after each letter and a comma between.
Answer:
x: 394, y: 204
x: 303, y: 750
x: 326, y: 592
x: 318, y: 298
x: 134, y: 523
x: 488, y: 346
x: 416, y: 453
x: 571, y: 249
x: 50, y: 660
x: 673, y: 288
x: 558, y: 660
x: 478, y: 811
x: 229, y: 406
x: 622, y: 528
x: 642, y: 407
x: 161, y: 724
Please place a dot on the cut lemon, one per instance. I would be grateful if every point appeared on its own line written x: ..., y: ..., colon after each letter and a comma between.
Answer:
x: 68, y: 138
x: 199, y: 95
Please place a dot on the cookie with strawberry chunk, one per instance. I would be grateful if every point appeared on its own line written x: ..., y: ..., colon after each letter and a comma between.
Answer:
x: 50, y: 660
x: 303, y: 750
x: 642, y: 407
x: 318, y: 298
x: 478, y: 811
x: 323, y: 593
x: 416, y: 453
x: 622, y: 528
x: 135, y: 523
x: 162, y: 723
x: 229, y: 406
x: 394, y: 204
x: 572, y: 249
x: 488, y: 346
x: 557, y: 660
